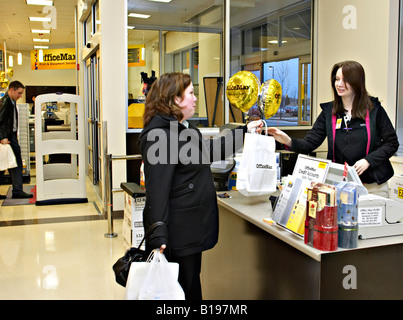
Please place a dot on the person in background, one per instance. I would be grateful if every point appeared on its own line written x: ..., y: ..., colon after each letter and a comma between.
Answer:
x: 8, y: 135
x: 33, y: 105
x: 180, y: 193
x: 357, y: 127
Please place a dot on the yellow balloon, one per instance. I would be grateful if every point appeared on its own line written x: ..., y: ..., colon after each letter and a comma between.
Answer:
x: 243, y: 89
x: 10, y: 72
x: 2, y: 74
x: 270, y: 98
x: 4, y: 83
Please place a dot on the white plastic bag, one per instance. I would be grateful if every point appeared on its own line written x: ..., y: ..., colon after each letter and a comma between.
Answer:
x: 154, y: 280
x: 257, y: 172
x: 7, y: 157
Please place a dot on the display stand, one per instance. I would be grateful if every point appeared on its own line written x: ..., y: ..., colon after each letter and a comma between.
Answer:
x: 60, y: 182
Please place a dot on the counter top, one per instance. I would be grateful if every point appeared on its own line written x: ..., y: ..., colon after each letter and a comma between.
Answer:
x: 255, y: 209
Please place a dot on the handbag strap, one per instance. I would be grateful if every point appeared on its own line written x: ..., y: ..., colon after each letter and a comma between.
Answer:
x: 150, y: 230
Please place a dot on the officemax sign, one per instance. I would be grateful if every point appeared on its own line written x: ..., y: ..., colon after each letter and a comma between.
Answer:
x: 54, y: 59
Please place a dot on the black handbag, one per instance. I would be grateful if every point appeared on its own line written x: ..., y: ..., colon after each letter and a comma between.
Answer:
x: 122, y: 265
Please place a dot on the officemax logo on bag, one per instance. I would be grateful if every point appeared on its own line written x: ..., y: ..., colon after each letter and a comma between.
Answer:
x: 263, y: 166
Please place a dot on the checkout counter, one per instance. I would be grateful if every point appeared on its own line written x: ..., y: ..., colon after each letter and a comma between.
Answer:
x: 256, y: 260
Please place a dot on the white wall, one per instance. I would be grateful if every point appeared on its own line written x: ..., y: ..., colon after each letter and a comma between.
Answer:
x: 113, y: 46
x: 369, y: 35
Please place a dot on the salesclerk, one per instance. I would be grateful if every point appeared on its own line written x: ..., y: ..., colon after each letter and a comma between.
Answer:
x: 173, y: 310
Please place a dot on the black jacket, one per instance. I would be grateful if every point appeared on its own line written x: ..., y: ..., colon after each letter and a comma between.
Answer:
x: 7, y: 108
x: 179, y: 193
x: 382, y: 137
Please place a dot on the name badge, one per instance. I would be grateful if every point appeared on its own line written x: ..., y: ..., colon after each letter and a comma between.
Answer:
x: 338, y: 123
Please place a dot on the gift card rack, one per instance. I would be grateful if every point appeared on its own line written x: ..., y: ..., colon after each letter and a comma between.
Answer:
x: 290, y: 208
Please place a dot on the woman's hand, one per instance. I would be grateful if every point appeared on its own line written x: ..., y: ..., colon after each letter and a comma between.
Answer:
x: 5, y: 141
x: 360, y: 166
x: 280, y: 136
x: 257, y: 125
x: 162, y: 248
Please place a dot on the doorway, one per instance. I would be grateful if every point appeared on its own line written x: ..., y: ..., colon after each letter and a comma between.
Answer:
x: 93, y: 119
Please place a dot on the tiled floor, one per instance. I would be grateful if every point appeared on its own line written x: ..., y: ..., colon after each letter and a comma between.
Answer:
x: 58, y: 251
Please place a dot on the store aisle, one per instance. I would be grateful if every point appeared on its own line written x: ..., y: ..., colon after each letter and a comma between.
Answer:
x: 58, y: 252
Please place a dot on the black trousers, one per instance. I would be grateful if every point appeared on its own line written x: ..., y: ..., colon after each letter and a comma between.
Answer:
x: 189, y: 275
x: 15, y: 173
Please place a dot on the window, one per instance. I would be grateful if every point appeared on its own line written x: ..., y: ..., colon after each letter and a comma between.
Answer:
x: 294, y: 78
x: 92, y: 23
x: 277, y: 46
x: 188, y: 40
x: 191, y: 40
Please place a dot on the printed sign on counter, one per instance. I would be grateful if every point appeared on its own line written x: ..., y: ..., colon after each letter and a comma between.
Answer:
x: 311, y: 169
x: 370, y: 216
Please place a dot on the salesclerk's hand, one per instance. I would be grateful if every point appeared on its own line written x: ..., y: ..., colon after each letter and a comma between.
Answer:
x: 280, y: 136
x: 360, y: 166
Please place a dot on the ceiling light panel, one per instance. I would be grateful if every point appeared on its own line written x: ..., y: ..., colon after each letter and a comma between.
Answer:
x: 139, y: 15
x: 40, y: 19
x: 40, y: 31
x: 40, y: 2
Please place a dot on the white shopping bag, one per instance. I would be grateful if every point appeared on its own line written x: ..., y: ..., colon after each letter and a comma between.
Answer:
x: 7, y: 157
x: 156, y: 279
x: 257, y: 172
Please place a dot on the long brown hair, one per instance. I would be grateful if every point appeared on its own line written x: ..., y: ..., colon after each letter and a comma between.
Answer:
x: 161, y: 97
x: 354, y: 74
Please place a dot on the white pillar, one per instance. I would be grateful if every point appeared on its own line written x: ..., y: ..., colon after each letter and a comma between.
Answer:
x: 113, y: 46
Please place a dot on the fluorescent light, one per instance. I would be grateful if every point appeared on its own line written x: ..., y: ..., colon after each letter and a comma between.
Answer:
x: 139, y: 15
x: 166, y: 1
x: 130, y: 27
x: 40, y: 31
x: 40, y: 2
x: 19, y: 58
x: 275, y: 41
x: 41, y: 47
x: 40, y: 19
x: 10, y: 61
x: 40, y: 40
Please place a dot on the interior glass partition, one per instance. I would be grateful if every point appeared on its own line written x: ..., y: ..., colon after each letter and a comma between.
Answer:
x: 185, y: 36
x: 188, y: 36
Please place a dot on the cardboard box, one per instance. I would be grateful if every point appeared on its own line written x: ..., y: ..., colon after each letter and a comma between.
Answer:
x: 133, y: 217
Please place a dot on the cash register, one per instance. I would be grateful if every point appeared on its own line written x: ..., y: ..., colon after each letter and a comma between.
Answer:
x: 377, y: 216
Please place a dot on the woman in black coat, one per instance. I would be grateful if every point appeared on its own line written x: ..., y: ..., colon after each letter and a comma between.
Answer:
x: 358, y: 129
x: 179, y: 186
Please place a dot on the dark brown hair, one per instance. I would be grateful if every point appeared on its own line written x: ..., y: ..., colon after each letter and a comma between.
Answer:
x: 15, y: 85
x: 354, y: 74
x: 161, y: 97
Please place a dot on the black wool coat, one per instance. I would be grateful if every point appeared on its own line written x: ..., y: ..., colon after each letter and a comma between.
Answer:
x: 383, y: 140
x: 179, y: 184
